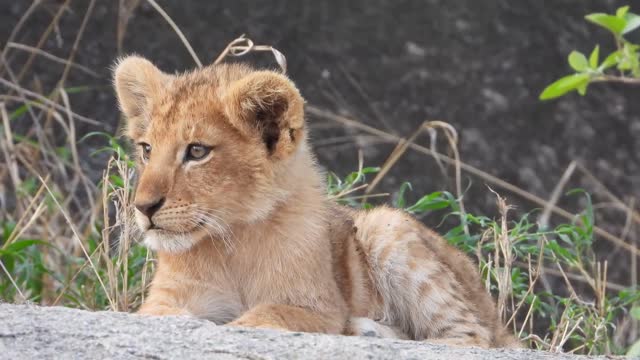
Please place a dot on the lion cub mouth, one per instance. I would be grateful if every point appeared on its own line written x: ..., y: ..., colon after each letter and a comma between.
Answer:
x: 194, y: 228
x: 172, y: 240
x: 169, y: 233
x: 159, y: 239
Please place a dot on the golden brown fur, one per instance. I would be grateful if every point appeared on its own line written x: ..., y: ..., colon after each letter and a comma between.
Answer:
x: 245, y: 235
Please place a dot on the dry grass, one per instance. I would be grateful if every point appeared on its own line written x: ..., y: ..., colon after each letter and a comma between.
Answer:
x: 87, y: 244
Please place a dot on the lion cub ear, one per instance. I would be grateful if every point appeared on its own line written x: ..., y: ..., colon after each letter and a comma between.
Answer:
x: 267, y: 104
x: 137, y: 81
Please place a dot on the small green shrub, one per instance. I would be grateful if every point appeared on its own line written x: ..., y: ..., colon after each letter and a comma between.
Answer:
x: 625, y: 59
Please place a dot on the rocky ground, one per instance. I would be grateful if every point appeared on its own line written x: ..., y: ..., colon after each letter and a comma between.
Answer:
x: 32, y: 332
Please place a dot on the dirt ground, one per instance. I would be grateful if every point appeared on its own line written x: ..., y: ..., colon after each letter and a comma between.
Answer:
x: 478, y: 65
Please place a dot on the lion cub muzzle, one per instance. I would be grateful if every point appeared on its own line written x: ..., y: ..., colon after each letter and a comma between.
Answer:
x: 148, y: 208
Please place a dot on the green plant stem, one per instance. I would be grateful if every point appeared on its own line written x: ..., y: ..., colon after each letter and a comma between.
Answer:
x: 617, y: 79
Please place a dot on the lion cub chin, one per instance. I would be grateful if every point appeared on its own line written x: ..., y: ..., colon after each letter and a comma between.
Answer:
x: 231, y: 198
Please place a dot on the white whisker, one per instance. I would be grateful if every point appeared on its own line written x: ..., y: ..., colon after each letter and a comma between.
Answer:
x: 212, y: 219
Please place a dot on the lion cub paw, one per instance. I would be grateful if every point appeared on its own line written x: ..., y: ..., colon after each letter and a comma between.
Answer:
x: 360, y: 326
x: 163, y: 311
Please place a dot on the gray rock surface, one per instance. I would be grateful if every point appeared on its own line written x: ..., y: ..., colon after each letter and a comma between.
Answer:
x: 32, y: 332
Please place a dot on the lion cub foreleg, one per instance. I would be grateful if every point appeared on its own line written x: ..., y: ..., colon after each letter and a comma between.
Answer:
x: 160, y: 310
x: 161, y: 302
x: 291, y: 318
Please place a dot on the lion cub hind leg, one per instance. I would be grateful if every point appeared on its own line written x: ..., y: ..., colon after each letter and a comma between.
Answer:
x: 360, y: 326
x: 420, y: 291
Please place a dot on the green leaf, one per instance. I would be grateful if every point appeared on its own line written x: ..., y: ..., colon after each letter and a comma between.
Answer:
x: 612, y: 23
x: 564, y: 85
x: 95, y: 133
x: 610, y: 61
x: 582, y: 89
x: 116, y: 181
x: 633, y: 22
x: 622, y: 11
x: 358, y: 176
x: 370, y: 170
x: 634, y: 351
x: 77, y: 89
x: 560, y: 251
x: 63, y: 152
x: 18, y: 245
x: 401, y: 202
x: 19, y: 111
x: 433, y: 201
x: 628, y: 60
x: 578, y: 61
x: 594, y: 58
x: 635, y: 313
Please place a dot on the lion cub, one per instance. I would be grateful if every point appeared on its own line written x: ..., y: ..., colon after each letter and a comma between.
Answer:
x: 231, y: 199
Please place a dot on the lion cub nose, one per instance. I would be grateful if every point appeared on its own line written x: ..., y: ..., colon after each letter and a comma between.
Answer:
x: 151, y: 207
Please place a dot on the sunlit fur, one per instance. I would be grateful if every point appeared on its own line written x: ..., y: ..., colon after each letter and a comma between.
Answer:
x: 246, y: 234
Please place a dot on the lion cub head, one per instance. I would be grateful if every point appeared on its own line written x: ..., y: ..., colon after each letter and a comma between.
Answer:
x: 210, y: 146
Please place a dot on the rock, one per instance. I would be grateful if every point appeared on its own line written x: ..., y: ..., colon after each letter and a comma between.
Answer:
x: 33, y: 332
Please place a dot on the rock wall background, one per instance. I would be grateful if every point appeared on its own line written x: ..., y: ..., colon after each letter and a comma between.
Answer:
x: 478, y: 65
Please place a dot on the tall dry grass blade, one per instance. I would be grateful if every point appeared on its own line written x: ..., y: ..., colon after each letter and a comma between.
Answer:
x: 395, y: 155
x: 78, y: 172
x: 543, y: 219
x: 452, y: 137
x: 106, y: 232
x: 243, y: 45
x: 42, y: 139
x: 123, y: 214
x: 8, y: 148
x: 503, y: 251
x: 177, y: 30
x: 635, y: 215
x: 20, y: 229
x: 16, y: 29
x: 534, y: 274
x: 43, y: 101
x: 69, y: 283
x: 567, y: 333
x: 126, y: 9
x: 403, y: 145
x: 13, y: 282
x: 84, y: 250
x: 43, y: 38
x: 72, y: 54
x: 366, y: 98
x: 633, y: 278
x: 49, y: 56
x: 574, y: 277
x: 527, y: 317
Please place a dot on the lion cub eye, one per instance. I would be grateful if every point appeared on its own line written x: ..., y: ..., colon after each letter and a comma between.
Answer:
x: 197, y: 152
x: 146, y: 151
